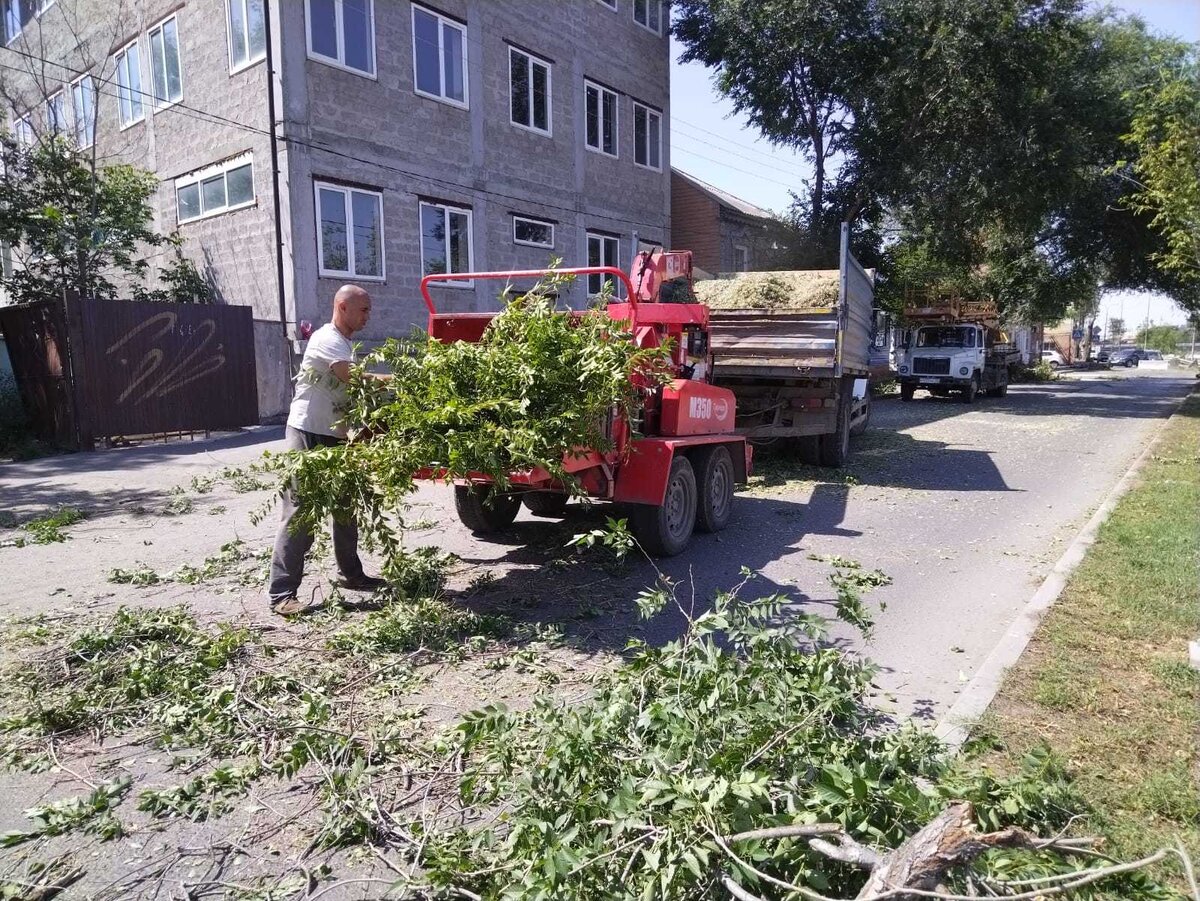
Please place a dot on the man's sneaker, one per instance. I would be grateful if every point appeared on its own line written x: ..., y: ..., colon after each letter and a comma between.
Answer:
x: 362, y: 582
x: 288, y: 606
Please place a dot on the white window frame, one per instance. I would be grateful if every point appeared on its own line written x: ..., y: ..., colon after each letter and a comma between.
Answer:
x: 601, y: 91
x: 611, y: 4
x: 140, y: 94
x: 234, y: 68
x: 202, y: 175
x: 339, y: 62
x: 446, y: 209
x: 4, y: 7
x: 531, y: 61
x: 662, y: 11
x: 346, y: 191
x: 23, y: 130
x: 618, y: 285
x: 75, y: 123
x: 56, y: 128
x: 649, y: 111
x: 533, y: 221
x: 155, y: 103
x: 465, y: 103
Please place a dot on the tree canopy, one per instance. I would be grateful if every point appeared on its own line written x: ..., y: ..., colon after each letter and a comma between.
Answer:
x: 981, y: 141
x: 74, y: 226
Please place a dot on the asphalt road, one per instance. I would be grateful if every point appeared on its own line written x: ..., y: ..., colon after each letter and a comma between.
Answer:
x: 965, y: 507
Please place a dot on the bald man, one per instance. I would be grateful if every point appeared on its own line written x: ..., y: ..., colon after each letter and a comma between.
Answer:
x: 315, y: 420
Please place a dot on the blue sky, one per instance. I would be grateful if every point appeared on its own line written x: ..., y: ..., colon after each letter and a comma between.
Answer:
x: 711, y: 142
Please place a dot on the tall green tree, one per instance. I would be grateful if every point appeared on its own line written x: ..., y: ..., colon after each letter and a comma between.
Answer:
x: 1165, y: 136
x: 73, y: 226
x: 983, y: 132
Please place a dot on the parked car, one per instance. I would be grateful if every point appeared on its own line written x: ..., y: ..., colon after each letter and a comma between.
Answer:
x: 1100, y: 355
x: 1053, y: 359
x: 1125, y: 356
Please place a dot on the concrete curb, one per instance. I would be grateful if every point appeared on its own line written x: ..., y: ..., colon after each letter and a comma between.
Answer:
x: 955, y: 724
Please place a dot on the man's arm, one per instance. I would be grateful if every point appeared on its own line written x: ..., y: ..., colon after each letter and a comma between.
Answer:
x: 342, y: 371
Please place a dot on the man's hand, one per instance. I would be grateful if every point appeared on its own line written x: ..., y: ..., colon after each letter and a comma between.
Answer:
x: 342, y: 371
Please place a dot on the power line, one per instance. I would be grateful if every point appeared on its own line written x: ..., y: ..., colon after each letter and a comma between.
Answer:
x: 680, y: 124
x: 781, y: 184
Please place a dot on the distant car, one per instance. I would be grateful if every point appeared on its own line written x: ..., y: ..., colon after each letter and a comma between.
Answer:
x: 1126, y: 356
x: 1053, y: 359
x: 1100, y: 354
x: 1152, y: 355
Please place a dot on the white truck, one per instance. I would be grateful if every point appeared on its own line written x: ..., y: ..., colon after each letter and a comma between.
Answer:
x: 950, y: 345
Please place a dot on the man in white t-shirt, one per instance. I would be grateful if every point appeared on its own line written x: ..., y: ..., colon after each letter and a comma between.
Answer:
x: 315, y: 420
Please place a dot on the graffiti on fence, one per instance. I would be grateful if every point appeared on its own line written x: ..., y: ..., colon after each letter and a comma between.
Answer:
x: 189, y: 365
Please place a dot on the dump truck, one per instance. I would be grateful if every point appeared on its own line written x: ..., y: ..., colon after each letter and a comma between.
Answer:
x: 795, y: 350
x: 675, y: 466
x: 953, y: 345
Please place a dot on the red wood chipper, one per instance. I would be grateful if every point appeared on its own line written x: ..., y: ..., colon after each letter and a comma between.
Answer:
x: 677, y: 466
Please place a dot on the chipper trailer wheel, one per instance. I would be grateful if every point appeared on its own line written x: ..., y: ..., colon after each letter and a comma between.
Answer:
x: 483, y: 510
x: 664, y: 531
x: 713, y: 467
x: 545, y: 503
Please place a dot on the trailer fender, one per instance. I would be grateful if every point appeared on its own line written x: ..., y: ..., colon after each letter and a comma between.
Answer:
x: 642, y: 477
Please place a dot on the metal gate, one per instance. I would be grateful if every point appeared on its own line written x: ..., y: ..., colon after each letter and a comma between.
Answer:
x: 95, y: 369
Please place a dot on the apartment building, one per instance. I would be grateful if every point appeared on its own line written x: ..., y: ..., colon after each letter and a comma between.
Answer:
x: 451, y: 136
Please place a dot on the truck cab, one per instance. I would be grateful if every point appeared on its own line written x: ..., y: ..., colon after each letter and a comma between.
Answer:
x: 954, y: 346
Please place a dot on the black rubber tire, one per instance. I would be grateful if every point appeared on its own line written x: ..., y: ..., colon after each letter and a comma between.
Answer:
x: 714, y: 487
x: 483, y: 511
x: 968, y: 394
x: 835, y: 447
x: 545, y: 503
x: 907, y: 391
x: 1001, y: 390
x: 664, y: 531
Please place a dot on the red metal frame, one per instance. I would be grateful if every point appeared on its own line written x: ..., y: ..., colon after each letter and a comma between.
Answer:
x: 522, y: 273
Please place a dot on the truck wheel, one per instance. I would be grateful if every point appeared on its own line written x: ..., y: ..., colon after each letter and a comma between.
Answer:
x: 483, y: 510
x: 714, y: 486
x: 545, y: 503
x: 835, y: 447
x: 1001, y: 390
x: 907, y: 391
x: 665, y: 530
x: 968, y: 394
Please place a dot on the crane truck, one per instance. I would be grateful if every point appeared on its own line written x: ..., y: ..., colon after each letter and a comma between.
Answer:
x: 951, y: 345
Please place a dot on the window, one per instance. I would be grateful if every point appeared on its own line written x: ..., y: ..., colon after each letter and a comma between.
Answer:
x: 439, y: 57
x: 164, y: 63
x: 56, y: 114
x: 342, y: 33
x: 529, y: 91
x: 741, y: 259
x: 23, y: 131
x: 247, y: 32
x: 129, y: 85
x: 611, y: 4
x: 217, y: 189
x: 83, y: 107
x: 650, y: 14
x: 647, y: 137
x: 533, y: 232
x: 17, y: 14
x: 445, y: 240
x: 601, y: 118
x: 342, y: 213
x: 603, y: 250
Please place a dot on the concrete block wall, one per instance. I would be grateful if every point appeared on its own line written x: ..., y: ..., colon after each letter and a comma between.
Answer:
x: 388, y: 138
